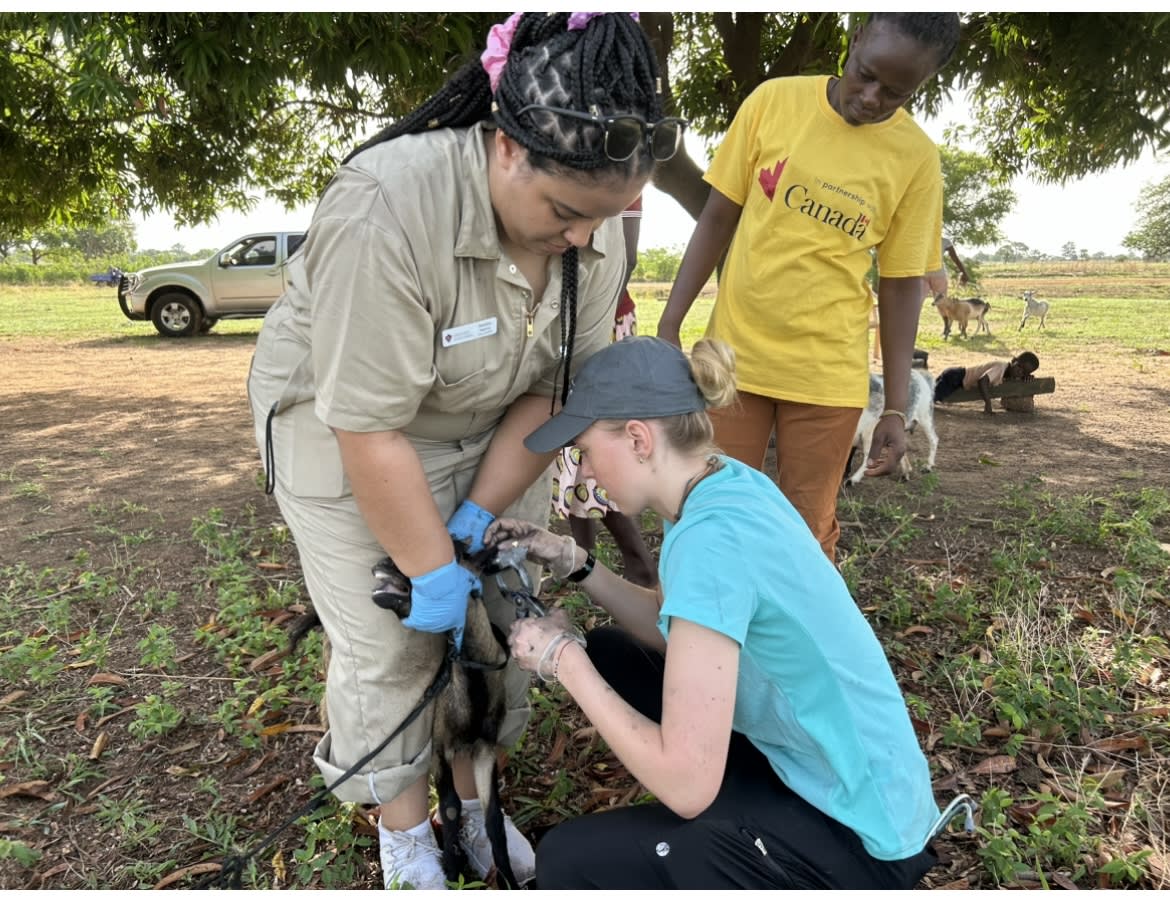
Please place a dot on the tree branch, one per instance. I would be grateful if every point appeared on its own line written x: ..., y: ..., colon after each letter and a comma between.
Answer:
x: 801, y: 45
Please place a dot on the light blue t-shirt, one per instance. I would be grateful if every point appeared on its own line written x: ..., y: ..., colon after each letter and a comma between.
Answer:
x: 815, y: 692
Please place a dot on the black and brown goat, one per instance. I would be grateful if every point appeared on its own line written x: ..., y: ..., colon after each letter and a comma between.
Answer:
x: 468, y: 713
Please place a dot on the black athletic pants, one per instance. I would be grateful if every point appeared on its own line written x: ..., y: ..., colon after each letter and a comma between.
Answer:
x: 757, y: 833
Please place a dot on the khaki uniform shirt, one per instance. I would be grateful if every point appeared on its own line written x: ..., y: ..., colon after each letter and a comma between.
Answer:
x: 403, y: 313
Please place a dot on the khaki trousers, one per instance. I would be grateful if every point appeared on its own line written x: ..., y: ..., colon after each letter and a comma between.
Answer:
x: 379, y: 669
x: 812, y: 448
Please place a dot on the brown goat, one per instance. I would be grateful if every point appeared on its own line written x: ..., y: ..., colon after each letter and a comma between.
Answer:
x: 962, y: 312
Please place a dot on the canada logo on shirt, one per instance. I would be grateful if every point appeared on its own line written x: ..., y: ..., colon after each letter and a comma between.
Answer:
x: 769, y: 179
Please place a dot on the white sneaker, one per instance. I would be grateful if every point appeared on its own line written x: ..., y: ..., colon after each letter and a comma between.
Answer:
x: 474, y: 839
x: 411, y: 860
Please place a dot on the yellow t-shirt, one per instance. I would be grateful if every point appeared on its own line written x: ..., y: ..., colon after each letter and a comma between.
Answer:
x: 817, y: 195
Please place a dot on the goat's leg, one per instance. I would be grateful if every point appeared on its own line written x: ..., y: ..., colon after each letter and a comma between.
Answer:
x: 1023, y: 320
x: 932, y: 436
x: 849, y: 463
x: 487, y: 786
x: 866, y: 442
x: 450, y: 812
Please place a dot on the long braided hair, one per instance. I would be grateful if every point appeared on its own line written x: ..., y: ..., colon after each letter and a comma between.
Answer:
x: 608, y: 67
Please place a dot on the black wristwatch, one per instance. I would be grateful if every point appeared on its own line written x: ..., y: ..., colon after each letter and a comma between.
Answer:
x: 584, y: 570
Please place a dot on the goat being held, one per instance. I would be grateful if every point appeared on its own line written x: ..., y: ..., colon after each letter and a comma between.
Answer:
x: 962, y: 311
x: 470, y: 708
x: 1033, y: 308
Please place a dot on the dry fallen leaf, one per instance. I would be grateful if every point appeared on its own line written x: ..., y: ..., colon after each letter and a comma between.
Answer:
x: 997, y: 765
x: 306, y: 727
x: 278, y: 869
x: 1120, y: 743
x: 99, y: 745
x: 1024, y: 813
x: 197, y: 869
x: 276, y: 729
x: 267, y: 659
x: 107, y: 679
x: 265, y: 790
x: 37, y: 788
x: 12, y: 697
x: 558, y: 749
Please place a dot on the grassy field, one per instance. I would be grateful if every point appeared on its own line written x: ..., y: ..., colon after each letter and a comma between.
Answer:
x: 78, y: 312
x: 1120, y: 304
x: 1076, y: 323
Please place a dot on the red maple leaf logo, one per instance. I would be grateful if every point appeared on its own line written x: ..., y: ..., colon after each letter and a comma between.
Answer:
x: 769, y: 179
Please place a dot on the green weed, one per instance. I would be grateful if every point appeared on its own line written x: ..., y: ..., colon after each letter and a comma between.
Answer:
x: 158, y: 714
x: 331, y: 848
x: 128, y: 818
x: 157, y: 648
x: 19, y: 852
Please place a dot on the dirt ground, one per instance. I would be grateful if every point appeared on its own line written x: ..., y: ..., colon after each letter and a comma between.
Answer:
x: 165, y: 425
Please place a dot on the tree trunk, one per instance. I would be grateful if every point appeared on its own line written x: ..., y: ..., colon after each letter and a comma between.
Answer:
x: 680, y: 178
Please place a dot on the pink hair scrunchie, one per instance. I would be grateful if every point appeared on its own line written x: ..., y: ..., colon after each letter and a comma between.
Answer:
x: 499, y: 42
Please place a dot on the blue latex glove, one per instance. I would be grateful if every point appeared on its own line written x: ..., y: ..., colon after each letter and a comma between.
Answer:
x: 468, y: 523
x: 438, y: 600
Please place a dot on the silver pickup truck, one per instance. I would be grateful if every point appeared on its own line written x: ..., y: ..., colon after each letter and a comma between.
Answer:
x: 241, y: 281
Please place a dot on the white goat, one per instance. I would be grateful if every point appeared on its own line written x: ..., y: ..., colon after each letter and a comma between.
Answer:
x: 1036, y: 308
x: 919, y: 412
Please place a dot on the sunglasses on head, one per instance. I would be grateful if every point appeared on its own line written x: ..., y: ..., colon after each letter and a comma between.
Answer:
x: 624, y: 132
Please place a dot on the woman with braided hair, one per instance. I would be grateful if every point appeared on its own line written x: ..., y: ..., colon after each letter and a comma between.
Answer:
x: 460, y: 265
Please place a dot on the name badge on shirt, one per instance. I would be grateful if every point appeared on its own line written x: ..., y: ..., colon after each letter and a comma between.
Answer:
x: 465, y: 333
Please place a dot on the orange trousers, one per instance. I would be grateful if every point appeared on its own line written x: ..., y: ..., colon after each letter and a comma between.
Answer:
x: 812, y: 448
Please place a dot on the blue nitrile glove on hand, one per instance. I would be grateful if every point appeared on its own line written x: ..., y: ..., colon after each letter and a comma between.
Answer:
x: 438, y: 600
x: 468, y: 523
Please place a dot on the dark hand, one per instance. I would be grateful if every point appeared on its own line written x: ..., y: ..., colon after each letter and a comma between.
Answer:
x: 889, y: 445
x: 669, y: 332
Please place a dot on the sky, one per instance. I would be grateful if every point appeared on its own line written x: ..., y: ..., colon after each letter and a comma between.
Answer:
x: 1095, y: 213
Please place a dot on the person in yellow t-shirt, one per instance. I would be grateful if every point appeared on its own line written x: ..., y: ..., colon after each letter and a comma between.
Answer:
x: 814, y: 173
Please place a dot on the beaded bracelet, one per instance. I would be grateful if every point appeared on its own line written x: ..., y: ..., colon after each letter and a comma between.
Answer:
x: 560, y: 639
x: 890, y: 412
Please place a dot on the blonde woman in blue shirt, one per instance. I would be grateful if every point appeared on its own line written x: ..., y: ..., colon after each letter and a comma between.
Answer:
x: 748, y: 694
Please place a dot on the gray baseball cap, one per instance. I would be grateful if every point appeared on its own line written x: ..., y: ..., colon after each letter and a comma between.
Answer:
x: 640, y: 377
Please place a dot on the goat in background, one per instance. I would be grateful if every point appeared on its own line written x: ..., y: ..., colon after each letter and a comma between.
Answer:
x: 962, y: 311
x: 919, y: 413
x: 1034, y: 308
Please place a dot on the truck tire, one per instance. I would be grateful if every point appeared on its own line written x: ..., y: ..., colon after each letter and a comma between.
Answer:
x: 176, y: 314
